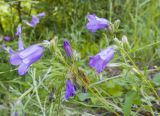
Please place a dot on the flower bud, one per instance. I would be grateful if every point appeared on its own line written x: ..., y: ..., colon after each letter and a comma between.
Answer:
x: 68, y: 48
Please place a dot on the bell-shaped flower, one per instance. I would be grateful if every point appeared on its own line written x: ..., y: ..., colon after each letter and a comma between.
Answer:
x: 25, y: 57
x: 19, y: 30
x: 70, y: 89
x: 100, y: 61
x: 67, y: 48
x: 35, y: 19
x: 95, y: 23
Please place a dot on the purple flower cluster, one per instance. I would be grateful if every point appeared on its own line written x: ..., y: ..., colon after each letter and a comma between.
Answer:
x: 25, y: 57
x: 99, y: 61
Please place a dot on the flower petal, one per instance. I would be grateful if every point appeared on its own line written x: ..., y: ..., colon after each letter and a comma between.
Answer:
x: 41, y: 14
x: 91, y: 17
x: 97, y: 63
x: 29, y: 51
x: 34, y: 22
x: 15, y: 59
x: 23, y: 69
x: 20, y: 45
x: 36, y: 55
x: 19, y: 30
x: 100, y: 61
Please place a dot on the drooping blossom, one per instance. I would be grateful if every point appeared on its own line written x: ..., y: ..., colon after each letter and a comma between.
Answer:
x: 67, y: 48
x: 70, y: 89
x: 24, y: 57
x: 7, y: 38
x: 35, y: 19
x: 100, y: 60
x: 95, y: 23
x: 19, y: 30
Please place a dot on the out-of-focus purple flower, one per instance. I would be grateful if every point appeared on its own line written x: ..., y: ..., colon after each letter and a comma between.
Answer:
x: 95, y: 23
x: 16, y: 114
x: 100, y: 61
x: 25, y: 57
x: 19, y: 30
x: 7, y: 38
x: 35, y: 19
x: 41, y: 14
x: 67, y: 48
x: 34, y: 22
x: 70, y: 89
x: 9, y: 50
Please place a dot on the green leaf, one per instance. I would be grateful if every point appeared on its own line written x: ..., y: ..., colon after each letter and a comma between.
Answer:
x: 83, y: 96
x: 156, y: 79
x: 129, y: 99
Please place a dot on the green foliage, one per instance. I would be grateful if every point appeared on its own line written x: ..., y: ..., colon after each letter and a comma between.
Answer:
x: 156, y: 79
x: 131, y: 98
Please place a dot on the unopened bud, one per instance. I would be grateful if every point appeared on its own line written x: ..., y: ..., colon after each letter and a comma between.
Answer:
x: 117, y: 41
x: 53, y: 43
x: 116, y: 24
x: 67, y: 48
x: 125, y: 42
x: 124, y: 39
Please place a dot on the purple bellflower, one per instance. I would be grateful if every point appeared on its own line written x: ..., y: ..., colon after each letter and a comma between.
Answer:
x: 70, y: 89
x: 7, y: 38
x: 100, y: 61
x: 35, y: 19
x: 19, y: 30
x: 24, y: 57
x: 67, y: 48
x: 95, y: 23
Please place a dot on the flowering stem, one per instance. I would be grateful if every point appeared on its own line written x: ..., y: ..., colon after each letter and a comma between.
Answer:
x: 36, y: 91
x: 107, y: 105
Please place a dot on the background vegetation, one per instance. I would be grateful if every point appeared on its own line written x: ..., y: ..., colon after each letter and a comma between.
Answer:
x: 131, y: 89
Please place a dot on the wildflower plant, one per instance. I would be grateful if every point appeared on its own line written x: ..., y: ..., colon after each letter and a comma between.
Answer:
x: 105, y: 80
